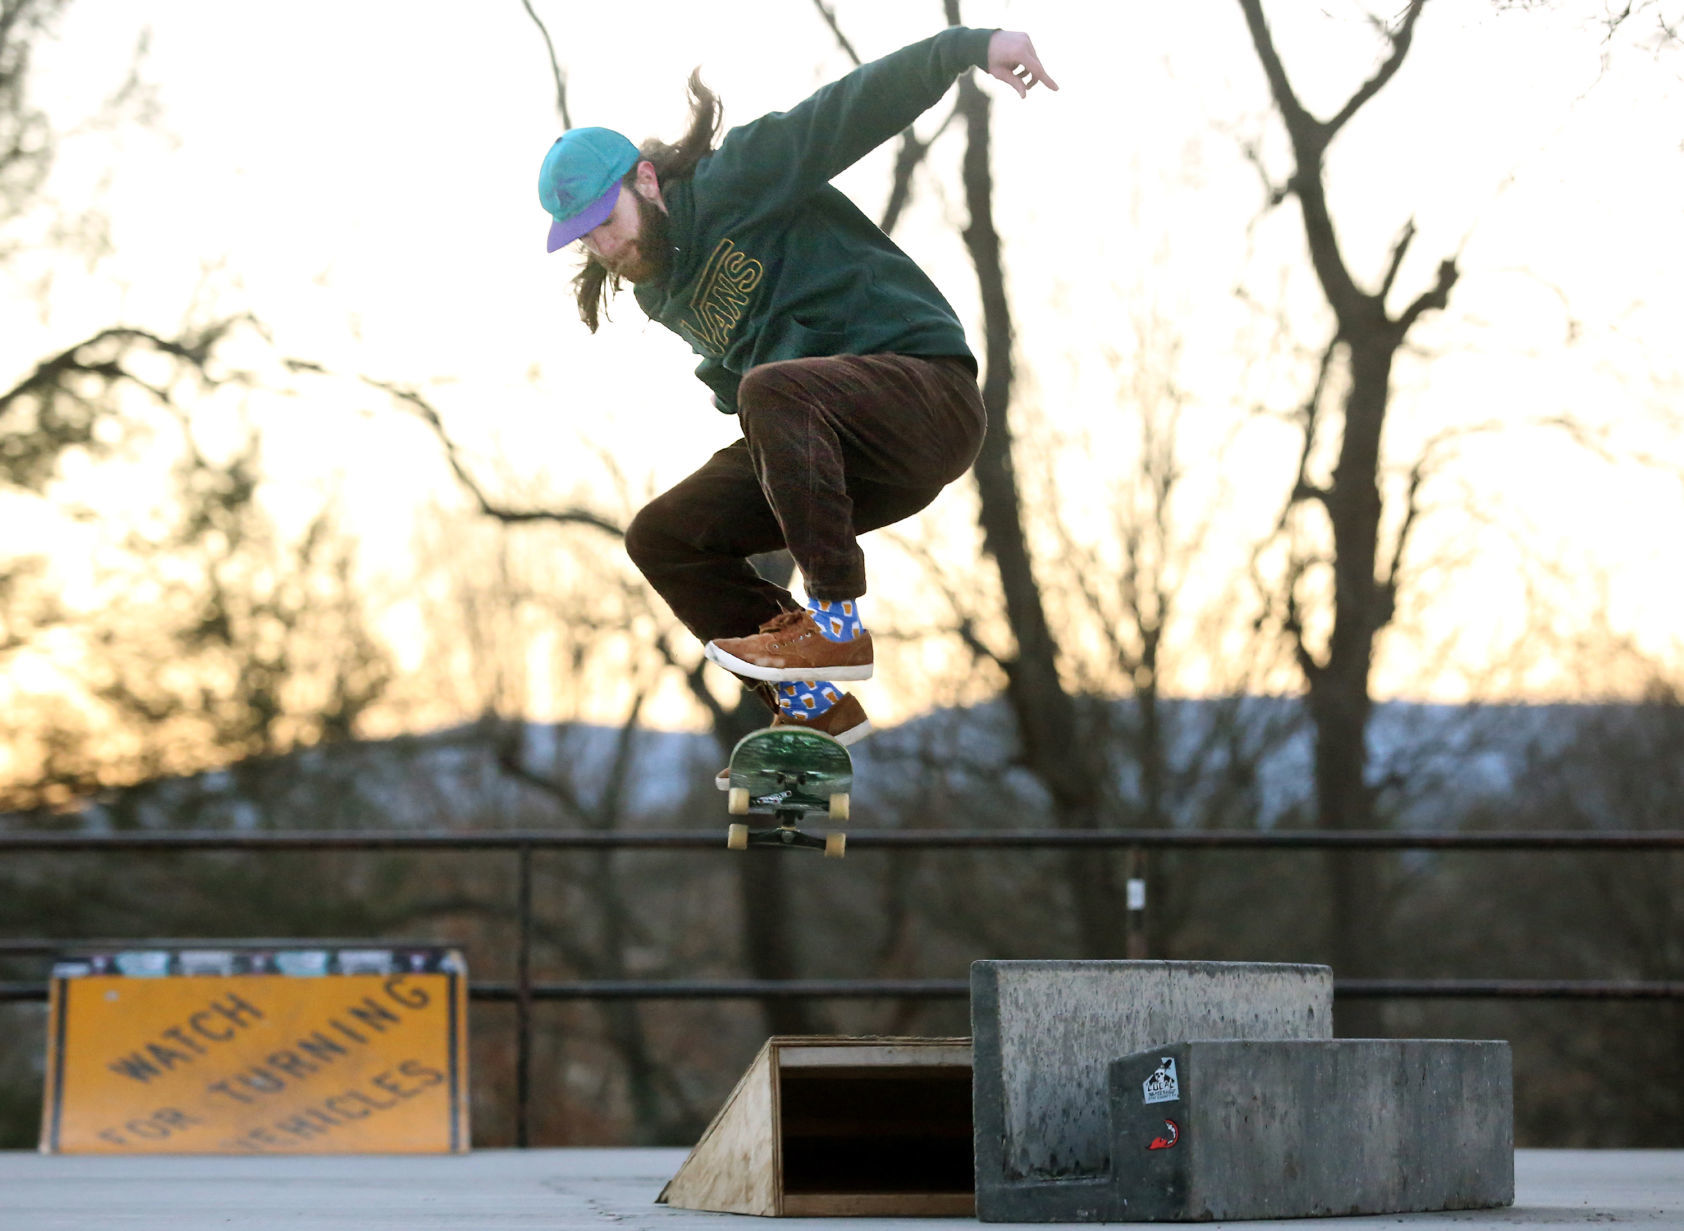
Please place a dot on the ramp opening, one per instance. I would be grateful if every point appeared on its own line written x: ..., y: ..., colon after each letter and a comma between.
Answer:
x: 878, y: 1129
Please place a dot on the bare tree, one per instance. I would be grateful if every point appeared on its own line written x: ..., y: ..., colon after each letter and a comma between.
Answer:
x: 65, y: 401
x: 1057, y: 747
x: 1068, y: 730
x: 225, y: 595
x: 222, y: 642
x: 1365, y: 572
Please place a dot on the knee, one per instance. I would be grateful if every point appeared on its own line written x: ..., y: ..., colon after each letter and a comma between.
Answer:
x: 770, y: 386
x: 648, y: 540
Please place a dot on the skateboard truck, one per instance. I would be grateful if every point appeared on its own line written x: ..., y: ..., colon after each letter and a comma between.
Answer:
x: 786, y: 834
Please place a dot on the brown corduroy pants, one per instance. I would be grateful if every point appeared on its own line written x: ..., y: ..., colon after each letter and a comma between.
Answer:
x: 831, y: 448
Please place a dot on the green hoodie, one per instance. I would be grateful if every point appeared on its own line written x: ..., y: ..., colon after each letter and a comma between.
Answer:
x: 772, y: 262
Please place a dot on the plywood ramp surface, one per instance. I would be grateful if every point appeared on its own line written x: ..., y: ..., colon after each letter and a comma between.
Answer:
x: 734, y: 1167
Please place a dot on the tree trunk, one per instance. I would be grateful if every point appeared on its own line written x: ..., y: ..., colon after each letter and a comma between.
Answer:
x: 1338, y: 684
x: 1339, y: 698
x: 1055, y: 747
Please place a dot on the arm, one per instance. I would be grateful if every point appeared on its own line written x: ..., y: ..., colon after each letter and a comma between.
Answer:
x: 787, y: 154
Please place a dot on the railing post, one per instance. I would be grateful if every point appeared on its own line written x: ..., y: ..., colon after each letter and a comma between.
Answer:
x: 1135, y: 869
x: 523, y: 1003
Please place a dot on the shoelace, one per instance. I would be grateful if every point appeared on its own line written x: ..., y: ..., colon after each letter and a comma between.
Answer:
x: 784, y: 621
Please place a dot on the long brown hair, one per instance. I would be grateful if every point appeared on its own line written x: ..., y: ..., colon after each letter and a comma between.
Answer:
x: 673, y: 161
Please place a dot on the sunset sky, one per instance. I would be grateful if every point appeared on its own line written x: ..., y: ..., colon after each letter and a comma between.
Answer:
x: 362, y: 178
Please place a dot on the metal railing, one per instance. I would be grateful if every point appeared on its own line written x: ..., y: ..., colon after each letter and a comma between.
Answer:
x: 524, y: 991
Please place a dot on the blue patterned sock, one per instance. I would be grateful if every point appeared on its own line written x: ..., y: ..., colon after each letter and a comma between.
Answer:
x: 806, y: 700
x: 838, y: 619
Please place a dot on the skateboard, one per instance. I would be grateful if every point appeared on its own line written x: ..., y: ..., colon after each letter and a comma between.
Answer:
x: 788, y: 772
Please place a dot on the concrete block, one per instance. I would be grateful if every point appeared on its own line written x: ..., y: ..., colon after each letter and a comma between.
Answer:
x: 1230, y: 1129
x: 1045, y: 1035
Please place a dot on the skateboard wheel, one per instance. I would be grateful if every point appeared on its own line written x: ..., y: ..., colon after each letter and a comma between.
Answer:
x: 736, y: 837
x: 835, y: 844
x: 839, y: 807
x: 736, y: 803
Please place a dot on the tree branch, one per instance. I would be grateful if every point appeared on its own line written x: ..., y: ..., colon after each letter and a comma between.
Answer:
x: 695, y: 680
x: 964, y: 626
x: 1400, y: 47
x: 68, y: 414
x: 980, y: 650
x: 499, y: 512
x: 1293, y: 624
x: 1432, y: 300
x: 1399, y: 249
x: 1411, y: 514
x: 611, y: 803
x: 1273, y: 193
x: 1299, y: 122
x: 194, y: 349
x: 507, y: 744
x: 829, y: 15
x: 555, y: 67
x: 913, y: 151
x: 1309, y: 138
x: 1310, y: 412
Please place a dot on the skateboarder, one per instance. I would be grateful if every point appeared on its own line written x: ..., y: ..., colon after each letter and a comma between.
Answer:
x: 846, y: 368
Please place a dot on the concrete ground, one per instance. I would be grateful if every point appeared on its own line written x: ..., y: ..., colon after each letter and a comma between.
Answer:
x: 564, y: 1190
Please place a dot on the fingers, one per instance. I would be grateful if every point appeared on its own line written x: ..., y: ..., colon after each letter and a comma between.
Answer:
x: 1025, y: 77
x: 1010, y: 77
x: 1040, y: 74
x: 1012, y: 59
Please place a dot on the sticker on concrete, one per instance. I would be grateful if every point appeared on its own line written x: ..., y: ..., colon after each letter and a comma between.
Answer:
x: 229, y: 1052
x: 1167, y: 1143
x: 1163, y: 1086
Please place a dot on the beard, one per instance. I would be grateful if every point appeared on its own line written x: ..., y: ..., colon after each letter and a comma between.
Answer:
x: 649, y: 257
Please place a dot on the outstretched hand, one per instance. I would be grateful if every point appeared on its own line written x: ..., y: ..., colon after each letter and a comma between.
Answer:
x: 1012, y: 58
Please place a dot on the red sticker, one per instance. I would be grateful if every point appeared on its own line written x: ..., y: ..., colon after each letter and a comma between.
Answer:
x: 1167, y: 1143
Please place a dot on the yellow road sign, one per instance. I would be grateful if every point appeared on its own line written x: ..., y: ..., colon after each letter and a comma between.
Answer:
x: 265, y: 1063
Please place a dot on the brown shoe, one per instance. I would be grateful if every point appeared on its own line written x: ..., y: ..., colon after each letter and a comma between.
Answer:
x: 845, y: 722
x: 789, y: 647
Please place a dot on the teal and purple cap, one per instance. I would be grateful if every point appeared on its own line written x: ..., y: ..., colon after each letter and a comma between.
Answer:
x: 580, y: 181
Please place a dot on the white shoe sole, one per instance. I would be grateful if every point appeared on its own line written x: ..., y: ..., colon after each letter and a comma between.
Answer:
x: 784, y: 675
x: 853, y: 735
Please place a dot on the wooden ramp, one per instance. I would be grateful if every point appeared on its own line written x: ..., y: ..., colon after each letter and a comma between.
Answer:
x: 818, y: 1126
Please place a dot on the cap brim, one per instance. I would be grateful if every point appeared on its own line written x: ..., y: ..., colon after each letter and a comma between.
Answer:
x: 587, y: 220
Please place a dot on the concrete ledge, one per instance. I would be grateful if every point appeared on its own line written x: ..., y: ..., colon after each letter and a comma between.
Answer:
x: 1045, y: 1035
x: 1229, y: 1129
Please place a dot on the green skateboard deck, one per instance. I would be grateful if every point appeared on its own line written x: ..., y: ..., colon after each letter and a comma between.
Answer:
x: 788, y: 772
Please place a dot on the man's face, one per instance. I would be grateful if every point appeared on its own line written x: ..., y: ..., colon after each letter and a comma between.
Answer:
x: 633, y: 241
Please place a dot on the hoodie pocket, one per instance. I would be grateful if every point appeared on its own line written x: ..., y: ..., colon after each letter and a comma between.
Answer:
x: 804, y: 341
